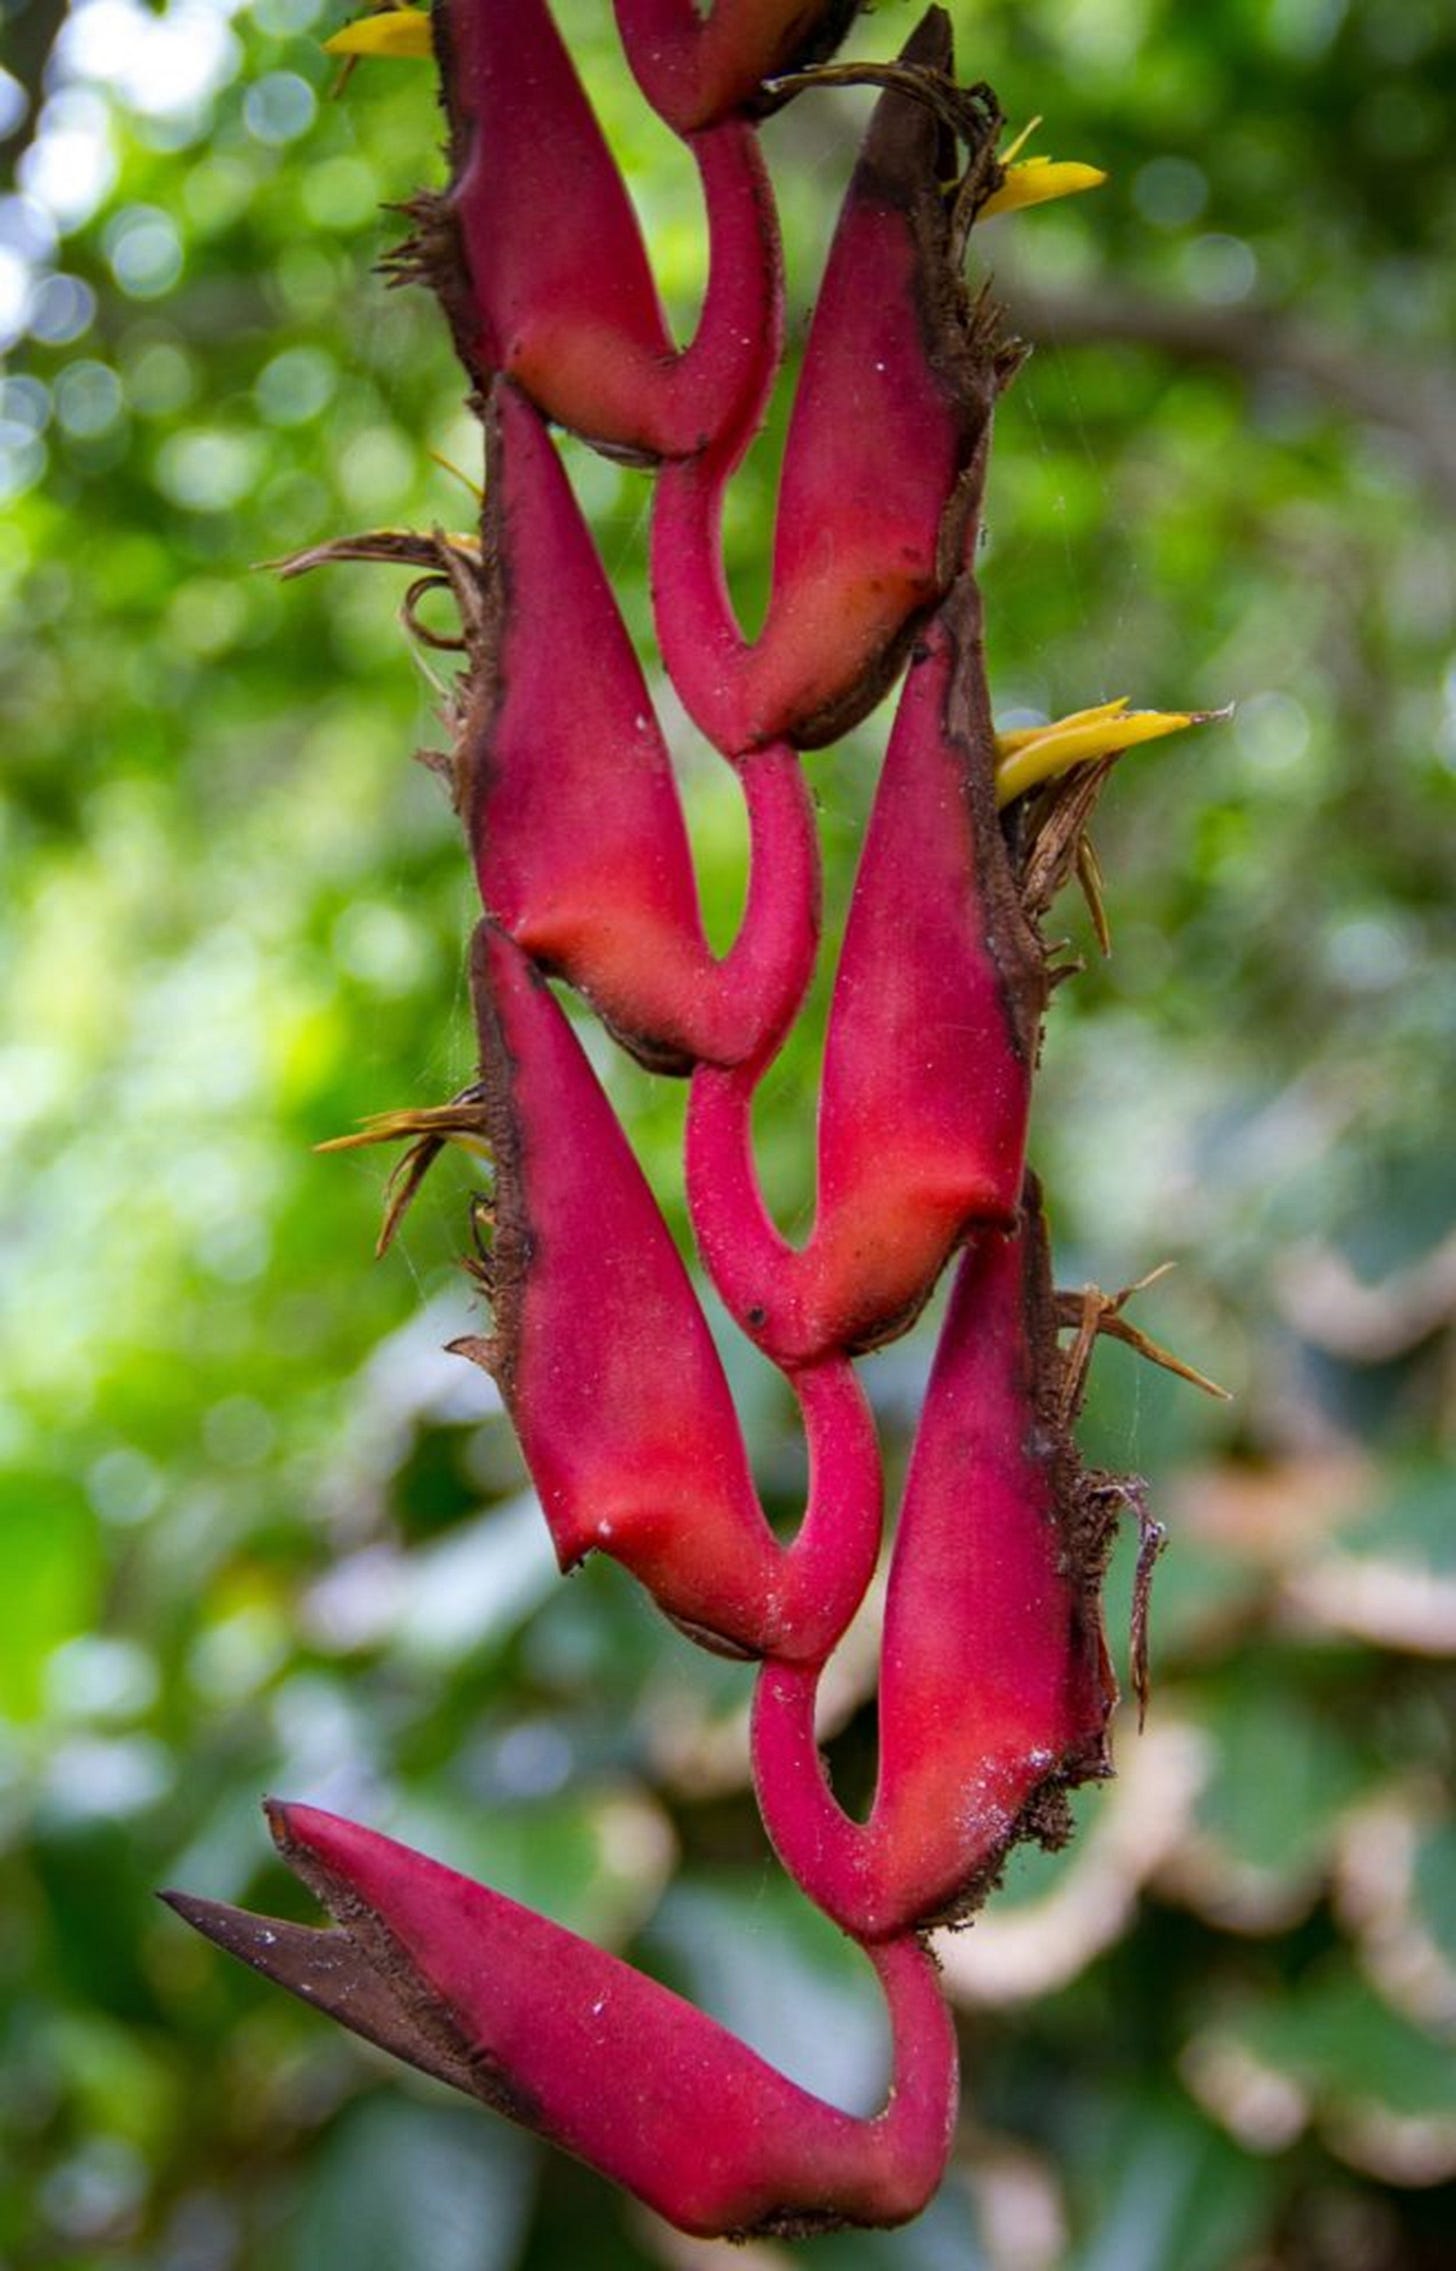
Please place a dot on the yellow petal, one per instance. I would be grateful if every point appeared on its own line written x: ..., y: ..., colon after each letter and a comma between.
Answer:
x: 1014, y: 149
x: 1035, y: 181
x: 1080, y: 740
x: 1021, y: 737
x: 396, y: 32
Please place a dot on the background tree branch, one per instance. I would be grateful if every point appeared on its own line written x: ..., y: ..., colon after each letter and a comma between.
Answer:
x: 1257, y: 342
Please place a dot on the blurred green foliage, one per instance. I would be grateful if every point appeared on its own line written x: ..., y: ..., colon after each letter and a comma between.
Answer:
x: 257, y: 1532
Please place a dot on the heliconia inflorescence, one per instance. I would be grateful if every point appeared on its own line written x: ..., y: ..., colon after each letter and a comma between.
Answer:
x: 995, y: 1685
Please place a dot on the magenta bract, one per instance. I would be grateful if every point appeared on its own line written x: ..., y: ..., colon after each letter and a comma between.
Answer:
x: 695, y: 66
x: 549, y: 2029
x: 595, y: 1314
x: 995, y: 1687
x: 928, y: 1058
x: 881, y: 465
x: 996, y: 1681
x: 540, y: 260
x: 569, y: 801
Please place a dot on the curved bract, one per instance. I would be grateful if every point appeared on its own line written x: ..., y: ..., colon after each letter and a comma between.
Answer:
x: 882, y: 463
x: 695, y: 65
x: 595, y: 1316
x: 543, y: 2026
x: 540, y: 263
x: 928, y: 1057
x: 995, y: 1687
x: 567, y: 793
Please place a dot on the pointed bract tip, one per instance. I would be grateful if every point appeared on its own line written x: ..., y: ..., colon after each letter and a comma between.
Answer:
x: 932, y: 43
x: 237, y: 1931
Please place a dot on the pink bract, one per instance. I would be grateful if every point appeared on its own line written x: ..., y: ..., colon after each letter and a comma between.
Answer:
x: 995, y: 1687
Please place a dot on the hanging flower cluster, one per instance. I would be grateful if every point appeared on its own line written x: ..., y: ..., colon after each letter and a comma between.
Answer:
x: 995, y: 1685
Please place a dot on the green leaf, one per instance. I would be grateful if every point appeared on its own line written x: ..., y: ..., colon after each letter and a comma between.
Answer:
x: 1286, y: 1769
x: 1433, y: 1888
x: 1172, y: 2194
x: 1412, y: 1524
x: 50, y: 1578
x: 428, y: 2186
x: 1345, y: 2047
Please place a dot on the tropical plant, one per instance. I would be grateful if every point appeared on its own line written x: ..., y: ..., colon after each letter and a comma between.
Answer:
x: 995, y: 1684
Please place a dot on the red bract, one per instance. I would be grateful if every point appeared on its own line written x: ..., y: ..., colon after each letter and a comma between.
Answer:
x: 928, y: 1058
x: 881, y: 464
x: 575, y: 2044
x: 540, y: 262
x: 694, y: 67
x: 995, y: 1687
x: 568, y: 796
x: 604, y: 1358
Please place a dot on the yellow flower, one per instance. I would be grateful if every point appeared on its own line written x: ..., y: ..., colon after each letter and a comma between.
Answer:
x: 394, y: 32
x: 1034, y: 754
x: 1036, y: 181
